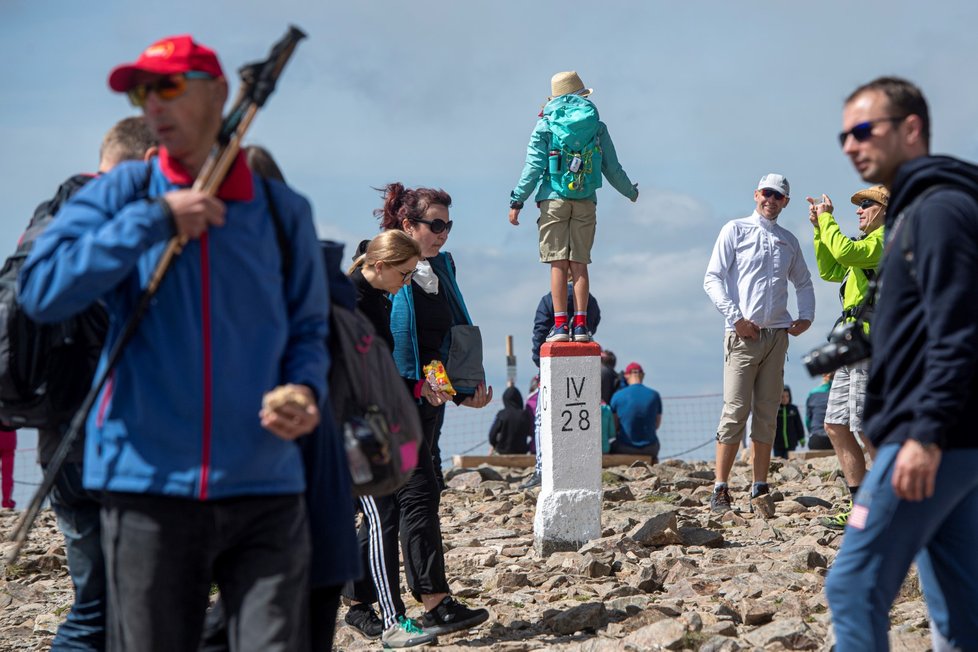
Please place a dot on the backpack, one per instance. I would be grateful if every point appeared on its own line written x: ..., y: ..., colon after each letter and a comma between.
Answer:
x: 575, y: 150
x: 45, y: 369
x: 376, y: 414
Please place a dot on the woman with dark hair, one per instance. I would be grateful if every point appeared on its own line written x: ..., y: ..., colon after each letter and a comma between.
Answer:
x: 423, y: 316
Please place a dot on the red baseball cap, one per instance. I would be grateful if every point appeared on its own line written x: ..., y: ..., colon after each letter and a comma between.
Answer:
x: 633, y: 366
x: 168, y: 56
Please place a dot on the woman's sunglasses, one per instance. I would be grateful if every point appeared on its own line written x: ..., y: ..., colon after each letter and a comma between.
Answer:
x: 166, y: 88
x: 405, y: 276
x: 437, y: 226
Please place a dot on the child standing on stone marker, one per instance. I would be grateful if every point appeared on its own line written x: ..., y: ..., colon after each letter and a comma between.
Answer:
x: 569, y: 151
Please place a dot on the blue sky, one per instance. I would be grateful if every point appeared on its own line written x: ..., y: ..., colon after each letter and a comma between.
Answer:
x: 701, y: 99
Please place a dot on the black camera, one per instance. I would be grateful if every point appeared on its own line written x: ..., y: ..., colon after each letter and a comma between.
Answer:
x: 847, y: 345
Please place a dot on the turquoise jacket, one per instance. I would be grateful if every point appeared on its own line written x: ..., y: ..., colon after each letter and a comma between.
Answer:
x: 403, y: 320
x: 536, y: 168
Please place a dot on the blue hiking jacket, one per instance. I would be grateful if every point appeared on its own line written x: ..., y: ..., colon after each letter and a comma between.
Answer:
x: 403, y: 324
x: 179, y: 414
x: 537, y: 171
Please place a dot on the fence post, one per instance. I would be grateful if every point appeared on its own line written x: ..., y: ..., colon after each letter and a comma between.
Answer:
x: 569, y: 505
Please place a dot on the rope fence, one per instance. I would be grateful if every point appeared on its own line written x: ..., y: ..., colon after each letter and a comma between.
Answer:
x: 689, y: 425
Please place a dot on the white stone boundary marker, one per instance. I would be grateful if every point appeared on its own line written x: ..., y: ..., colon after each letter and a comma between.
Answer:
x: 569, y: 506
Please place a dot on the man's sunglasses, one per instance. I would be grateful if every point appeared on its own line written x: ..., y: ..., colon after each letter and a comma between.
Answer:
x: 768, y: 192
x: 168, y: 87
x: 864, y: 130
x: 437, y: 226
x: 866, y: 203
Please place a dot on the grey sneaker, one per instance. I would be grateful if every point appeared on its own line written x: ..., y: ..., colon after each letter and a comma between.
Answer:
x: 720, y: 500
x: 406, y: 632
x: 533, y: 481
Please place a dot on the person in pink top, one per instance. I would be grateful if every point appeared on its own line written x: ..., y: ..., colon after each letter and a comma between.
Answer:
x: 8, y: 445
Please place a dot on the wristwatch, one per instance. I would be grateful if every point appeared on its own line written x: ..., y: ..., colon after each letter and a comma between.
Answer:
x: 515, y: 204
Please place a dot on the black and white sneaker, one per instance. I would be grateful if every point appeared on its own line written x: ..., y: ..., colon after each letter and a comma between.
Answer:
x: 364, y: 619
x: 452, y: 616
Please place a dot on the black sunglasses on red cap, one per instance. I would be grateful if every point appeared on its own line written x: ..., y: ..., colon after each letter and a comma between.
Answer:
x: 437, y: 226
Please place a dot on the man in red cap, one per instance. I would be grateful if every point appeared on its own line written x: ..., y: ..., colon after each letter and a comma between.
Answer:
x: 638, y: 416
x: 202, y: 484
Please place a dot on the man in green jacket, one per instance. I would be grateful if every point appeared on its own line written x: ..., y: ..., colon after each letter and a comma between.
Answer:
x: 569, y: 151
x: 852, y: 262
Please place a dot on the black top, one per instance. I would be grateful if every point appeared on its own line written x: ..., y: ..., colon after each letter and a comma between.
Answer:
x: 375, y: 305
x: 923, y: 378
x: 433, y: 321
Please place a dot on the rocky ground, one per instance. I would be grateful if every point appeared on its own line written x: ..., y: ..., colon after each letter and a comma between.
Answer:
x: 666, y: 573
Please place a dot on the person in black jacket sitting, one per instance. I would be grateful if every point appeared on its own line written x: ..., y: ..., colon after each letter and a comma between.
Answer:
x: 511, y: 431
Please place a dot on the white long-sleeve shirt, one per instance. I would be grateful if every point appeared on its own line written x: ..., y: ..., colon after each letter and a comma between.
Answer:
x: 753, y: 260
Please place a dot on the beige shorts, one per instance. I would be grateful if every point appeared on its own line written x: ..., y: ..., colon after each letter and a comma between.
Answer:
x: 753, y: 377
x: 567, y: 230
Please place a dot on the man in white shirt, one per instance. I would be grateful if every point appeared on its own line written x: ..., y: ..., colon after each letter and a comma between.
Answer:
x: 747, y: 280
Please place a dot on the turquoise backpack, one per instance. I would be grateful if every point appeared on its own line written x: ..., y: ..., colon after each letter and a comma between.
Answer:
x: 574, y: 160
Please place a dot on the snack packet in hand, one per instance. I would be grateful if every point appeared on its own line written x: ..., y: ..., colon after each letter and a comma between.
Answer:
x: 438, y: 378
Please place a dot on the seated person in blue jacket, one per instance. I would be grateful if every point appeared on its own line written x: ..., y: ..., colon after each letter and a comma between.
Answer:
x: 638, y: 416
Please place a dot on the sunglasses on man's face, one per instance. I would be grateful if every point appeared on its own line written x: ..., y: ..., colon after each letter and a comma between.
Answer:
x: 437, y: 226
x: 864, y: 130
x: 866, y: 203
x: 768, y: 192
x: 168, y: 87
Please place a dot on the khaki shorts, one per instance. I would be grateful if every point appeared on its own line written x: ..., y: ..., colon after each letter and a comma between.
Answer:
x: 567, y: 230
x: 753, y: 377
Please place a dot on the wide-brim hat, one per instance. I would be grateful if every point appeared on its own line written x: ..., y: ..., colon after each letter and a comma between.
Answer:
x: 169, y: 56
x: 878, y: 194
x: 567, y: 83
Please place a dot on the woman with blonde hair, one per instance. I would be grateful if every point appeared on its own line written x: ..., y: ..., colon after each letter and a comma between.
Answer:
x: 386, y: 265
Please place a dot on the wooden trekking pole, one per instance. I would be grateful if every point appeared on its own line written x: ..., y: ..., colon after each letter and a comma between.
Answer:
x: 257, y: 84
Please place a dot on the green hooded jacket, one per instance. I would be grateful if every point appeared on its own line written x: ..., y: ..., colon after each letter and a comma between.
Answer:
x: 841, y: 259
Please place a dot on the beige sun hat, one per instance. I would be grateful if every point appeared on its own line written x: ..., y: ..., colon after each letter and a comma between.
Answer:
x: 565, y: 83
x: 878, y: 194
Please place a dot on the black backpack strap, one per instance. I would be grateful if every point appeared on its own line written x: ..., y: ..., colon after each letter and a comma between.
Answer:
x: 280, y: 235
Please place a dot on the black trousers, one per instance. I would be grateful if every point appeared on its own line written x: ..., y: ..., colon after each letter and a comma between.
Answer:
x: 324, y: 603
x: 377, y: 537
x: 162, y: 554
x: 418, y: 502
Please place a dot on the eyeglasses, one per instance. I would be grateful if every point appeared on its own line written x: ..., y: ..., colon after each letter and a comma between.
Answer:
x: 437, y: 226
x: 864, y: 130
x: 768, y: 192
x: 168, y: 87
x: 405, y: 276
x: 866, y: 203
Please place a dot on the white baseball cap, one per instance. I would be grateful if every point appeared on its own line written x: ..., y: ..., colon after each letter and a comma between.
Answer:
x: 775, y: 182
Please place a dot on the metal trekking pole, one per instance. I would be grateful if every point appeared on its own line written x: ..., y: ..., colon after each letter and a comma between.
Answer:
x: 257, y: 84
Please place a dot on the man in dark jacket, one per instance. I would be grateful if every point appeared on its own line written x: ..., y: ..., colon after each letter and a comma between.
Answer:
x: 511, y: 431
x: 917, y: 503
